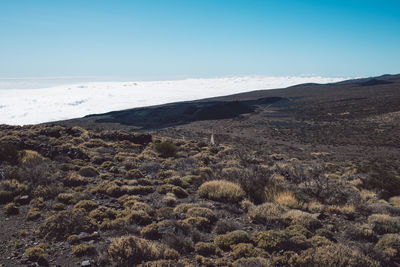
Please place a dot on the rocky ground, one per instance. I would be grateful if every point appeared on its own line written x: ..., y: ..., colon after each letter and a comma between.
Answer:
x: 311, y: 182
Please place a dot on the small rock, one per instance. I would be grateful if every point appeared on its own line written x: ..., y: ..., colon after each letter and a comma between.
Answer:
x: 84, y: 236
x: 86, y: 263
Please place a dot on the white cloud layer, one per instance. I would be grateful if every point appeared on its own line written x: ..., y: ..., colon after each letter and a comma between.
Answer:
x: 31, y: 106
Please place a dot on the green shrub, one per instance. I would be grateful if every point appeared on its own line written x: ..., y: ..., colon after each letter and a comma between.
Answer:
x: 166, y: 149
x: 227, y: 240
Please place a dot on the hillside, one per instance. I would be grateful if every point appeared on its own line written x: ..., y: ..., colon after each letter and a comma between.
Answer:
x: 303, y: 176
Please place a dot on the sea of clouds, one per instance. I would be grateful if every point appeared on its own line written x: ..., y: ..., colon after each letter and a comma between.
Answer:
x: 52, y: 103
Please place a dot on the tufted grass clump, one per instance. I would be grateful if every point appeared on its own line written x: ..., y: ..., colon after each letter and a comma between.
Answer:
x: 221, y: 190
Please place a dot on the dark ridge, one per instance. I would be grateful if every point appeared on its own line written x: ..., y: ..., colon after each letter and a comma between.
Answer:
x: 374, y: 81
x: 183, y: 113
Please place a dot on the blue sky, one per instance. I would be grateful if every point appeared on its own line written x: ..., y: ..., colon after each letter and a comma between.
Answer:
x: 159, y: 39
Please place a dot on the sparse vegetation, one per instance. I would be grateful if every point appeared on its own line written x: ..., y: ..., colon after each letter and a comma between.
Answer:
x: 229, y: 204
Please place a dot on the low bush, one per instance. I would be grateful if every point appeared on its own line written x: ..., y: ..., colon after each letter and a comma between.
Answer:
x: 331, y: 256
x: 166, y: 149
x: 37, y: 254
x: 205, y: 248
x: 302, y: 218
x: 254, y: 261
x: 33, y: 214
x: 267, y: 213
x: 8, y: 153
x: 75, y: 179
x: 384, y: 224
x: 65, y: 223
x: 221, y: 190
x: 87, y: 205
x: 390, y: 245
x: 227, y: 240
x: 88, y: 171
x: 201, y: 212
x: 11, y: 209
x: 131, y: 250
x: 279, y: 240
x: 5, y: 197
x: 245, y: 250
x: 84, y: 250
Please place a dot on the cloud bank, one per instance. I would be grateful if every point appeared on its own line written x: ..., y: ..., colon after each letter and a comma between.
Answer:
x: 32, y: 106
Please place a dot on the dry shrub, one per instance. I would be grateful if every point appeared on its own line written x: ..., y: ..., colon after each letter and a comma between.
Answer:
x: 84, y: 249
x: 390, y: 245
x: 88, y: 171
x: 331, y: 256
x: 205, y: 248
x: 302, y: 218
x: 384, y: 224
x: 37, y: 254
x: 33, y: 214
x: 74, y: 179
x: 8, y: 153
x: 166, y: 149
x: 227, y: 240
x: 65, y: 223
x: 395, y: 201
x: 221, y: 190
x: 287, y: 199
x: 267, y: 213
x: 87, y: 205
x: 131, y: 250
x: 201, y: 212
x: 288, y: 239
x: 244, y: 250
x: 252, y: 262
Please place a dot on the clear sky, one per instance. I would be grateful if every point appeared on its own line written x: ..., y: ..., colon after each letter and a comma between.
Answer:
x: 168, y: 39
